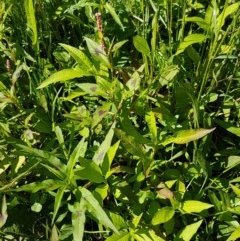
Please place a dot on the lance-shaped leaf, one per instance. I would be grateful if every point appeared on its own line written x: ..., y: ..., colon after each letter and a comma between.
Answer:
x: 81, y: 58
x: 31, y: 20
x: 112, y: 11
x: 3, y: 214
x: 58, y: 199
x: 185, y: 136
x: 187, y: 233
x: 88, y: 170
x: 62, y: 76
x: 189, y: 40
x: 105, y: 145
x: 193, y: 206
x: 79, y: 151
x: 46, y: 185
x: 93, y: 206
x: 78, y: 219
x: 97, y: 52
x: 100, y: 112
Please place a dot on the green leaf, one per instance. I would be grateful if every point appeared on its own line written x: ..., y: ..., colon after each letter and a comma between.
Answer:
x: 130, y: 143
x: 89, y: 170
x: 141, y: 45
x: 163, y: 215
x: 54, y: 234
x: 200, y: 22
x: 235, y: 235
x: 109, y: 158
x: 225, y: 13
x: 58, y: 200
x: 97, y: 52
x: 92, y: 89
x: 81, y: 58
x: 31, y: 20
x: 229, y: 127
x: 105, y: 145
x: 189, y: 40
x: 121, y: 236
x: 50, y: 160
x: 236, y: 190
x: 152, y: 126
x: 62, y: 76
x: 188, y: 232
x: 129, y: 128
x: 3, y: 214
x: 144, y: 234
x: 192, y: 206
x: 60, y: 139
x: 96, y: 210
x: 112, y: 11
x: 100, y: 112
x: 78, y: 219
x: 185, y: 136
x: 118, y: 45
x: 79, y: 151
x: 46, y: 185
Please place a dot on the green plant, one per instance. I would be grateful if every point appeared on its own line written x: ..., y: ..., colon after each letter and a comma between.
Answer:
x: 121, y: 125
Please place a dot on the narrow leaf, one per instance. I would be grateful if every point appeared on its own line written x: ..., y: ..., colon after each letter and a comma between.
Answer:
x: 57, y: 201
x: 31, y: 20
x: 200, y: 22
x: 192, y: 206
x: 3, y: 214
x: 163, y: 215
x: 78, y: 220
x: 79, y: 151
x: 105, y: 145
x: 225, y: 13
x: 130, y: 143
x: 141, y: 45
x: 185, y: 136
x: 81, y: 58
x: 99, y: 114
x: 89, y: 170
x: 152, y: 126
x: 189, y: 40
x: 112, y: 11
x: 97, y: 52
x: 62, y: 76
x: 46, y: 185
x: 96, y: 210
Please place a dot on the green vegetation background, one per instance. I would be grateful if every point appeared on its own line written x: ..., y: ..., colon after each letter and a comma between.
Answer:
x: 119, y: 120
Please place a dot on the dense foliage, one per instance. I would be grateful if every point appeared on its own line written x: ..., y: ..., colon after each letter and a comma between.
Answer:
x: 119, y: 120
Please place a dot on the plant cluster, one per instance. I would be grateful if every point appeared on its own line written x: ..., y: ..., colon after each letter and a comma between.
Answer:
x: 119, y: 120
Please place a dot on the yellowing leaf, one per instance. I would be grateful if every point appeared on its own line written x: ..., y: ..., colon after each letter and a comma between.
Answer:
x: 192, y: 206
x: 185, y: 136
